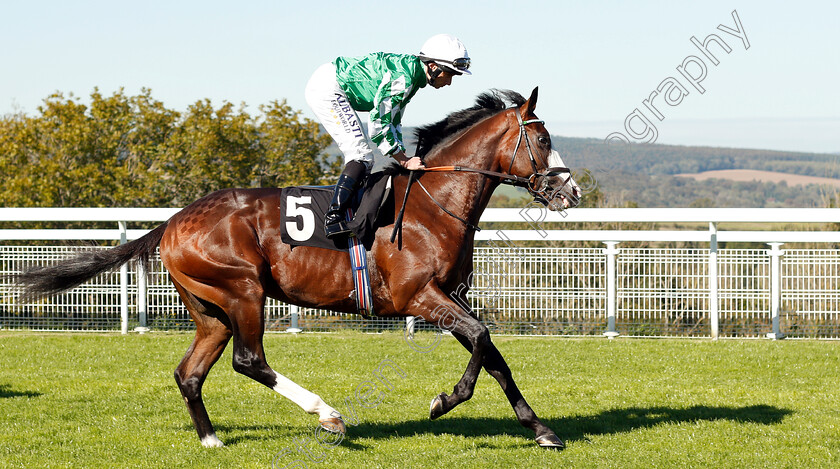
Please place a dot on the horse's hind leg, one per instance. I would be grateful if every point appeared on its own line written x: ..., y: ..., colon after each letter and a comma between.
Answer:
x: 249, y: 359
x: 212, y: 335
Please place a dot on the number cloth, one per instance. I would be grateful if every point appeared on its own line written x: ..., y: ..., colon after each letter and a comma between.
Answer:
x: 302, y: 210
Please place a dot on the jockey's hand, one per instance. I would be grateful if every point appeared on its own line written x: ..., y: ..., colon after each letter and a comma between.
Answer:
x: 412, y: 163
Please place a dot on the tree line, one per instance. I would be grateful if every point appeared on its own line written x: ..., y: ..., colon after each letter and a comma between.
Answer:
x: 132, y: 151
x: 121, y: 151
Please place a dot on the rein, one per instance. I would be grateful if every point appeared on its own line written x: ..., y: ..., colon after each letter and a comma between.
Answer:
x: 447, y: 211
x: 508, y: 179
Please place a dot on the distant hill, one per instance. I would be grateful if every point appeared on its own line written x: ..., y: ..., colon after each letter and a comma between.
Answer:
x: 648, y: 175
x: 675, y: 159
x: 645, y: 175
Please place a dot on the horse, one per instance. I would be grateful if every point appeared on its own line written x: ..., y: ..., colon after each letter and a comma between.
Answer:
x: 224, y: 256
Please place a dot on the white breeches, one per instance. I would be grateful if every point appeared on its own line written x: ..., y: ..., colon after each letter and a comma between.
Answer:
x: 330, y: 105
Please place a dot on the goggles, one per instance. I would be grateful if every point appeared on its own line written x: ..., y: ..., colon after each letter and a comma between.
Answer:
x: 461, y: 63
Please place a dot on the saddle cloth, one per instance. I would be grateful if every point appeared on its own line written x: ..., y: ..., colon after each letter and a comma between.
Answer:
x: 302, y: 212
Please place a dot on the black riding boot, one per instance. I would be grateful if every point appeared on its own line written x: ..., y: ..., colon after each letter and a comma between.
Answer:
x: 334, y: 222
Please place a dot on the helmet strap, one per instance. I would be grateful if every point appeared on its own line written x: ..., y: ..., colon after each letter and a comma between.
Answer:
x: 433, y: 74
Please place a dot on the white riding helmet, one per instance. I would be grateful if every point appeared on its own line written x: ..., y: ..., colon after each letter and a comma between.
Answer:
x: 448, y: 52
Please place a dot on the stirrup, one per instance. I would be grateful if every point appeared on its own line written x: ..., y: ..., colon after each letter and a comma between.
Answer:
x: 339, y: 228
x: 334, y: 219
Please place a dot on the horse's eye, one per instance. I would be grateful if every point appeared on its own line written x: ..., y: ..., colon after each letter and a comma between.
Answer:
x: 544, y: 140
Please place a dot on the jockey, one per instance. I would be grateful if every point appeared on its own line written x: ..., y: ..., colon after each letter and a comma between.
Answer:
x: 381, y: 84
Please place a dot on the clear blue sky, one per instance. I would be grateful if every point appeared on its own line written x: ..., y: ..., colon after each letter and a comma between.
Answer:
x: 594, y: 61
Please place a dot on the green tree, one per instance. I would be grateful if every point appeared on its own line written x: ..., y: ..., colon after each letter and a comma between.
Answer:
x: 293, y: 149
x: 133, y: 151
x: 592, y: 196
x: 703, y: 202
x: 74, y: 155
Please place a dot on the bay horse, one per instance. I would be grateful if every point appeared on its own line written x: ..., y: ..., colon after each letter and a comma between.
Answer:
x: 225, y: 257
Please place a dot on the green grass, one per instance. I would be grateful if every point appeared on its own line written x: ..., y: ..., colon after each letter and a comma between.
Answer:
x: 110, y: 401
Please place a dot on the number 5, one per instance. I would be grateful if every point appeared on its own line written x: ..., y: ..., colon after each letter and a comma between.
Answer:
x: 295, y: 208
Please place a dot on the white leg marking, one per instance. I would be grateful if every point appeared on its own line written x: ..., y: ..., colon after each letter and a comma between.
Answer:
x: 210, y: 441
x: 308, y: 401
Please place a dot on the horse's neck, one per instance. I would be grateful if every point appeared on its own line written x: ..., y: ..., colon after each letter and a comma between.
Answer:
x: 475, y: 148
x: 464, y: 193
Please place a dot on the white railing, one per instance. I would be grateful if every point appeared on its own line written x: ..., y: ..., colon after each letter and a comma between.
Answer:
x: 537, y: 224
x: 539, y: 219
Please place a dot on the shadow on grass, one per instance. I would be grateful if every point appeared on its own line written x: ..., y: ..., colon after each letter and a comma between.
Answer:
x: 573, y: 428
x: 576, y: 428
x: 234, y: 434
x: 6, y: 391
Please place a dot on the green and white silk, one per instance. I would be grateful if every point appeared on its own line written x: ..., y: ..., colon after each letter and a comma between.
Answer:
x: 381, y: 84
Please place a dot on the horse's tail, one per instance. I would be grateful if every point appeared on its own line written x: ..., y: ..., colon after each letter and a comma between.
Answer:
x: 41, y: 282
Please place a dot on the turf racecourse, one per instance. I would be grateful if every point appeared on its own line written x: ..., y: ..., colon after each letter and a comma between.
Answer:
x: 84, y: 400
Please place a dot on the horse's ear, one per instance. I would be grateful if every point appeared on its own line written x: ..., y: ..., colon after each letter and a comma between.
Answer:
x: 531, y: 104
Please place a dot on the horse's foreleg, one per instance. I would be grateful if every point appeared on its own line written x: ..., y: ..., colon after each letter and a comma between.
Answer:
x: 440, y: 310
x: 465, y: 387
x: 249, y: 359
x: 496, y: 365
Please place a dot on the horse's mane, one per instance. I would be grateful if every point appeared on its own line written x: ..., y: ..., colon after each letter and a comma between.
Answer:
x: 486, y: 104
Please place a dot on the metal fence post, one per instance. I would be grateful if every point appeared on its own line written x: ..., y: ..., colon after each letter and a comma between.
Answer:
x: 294, y: 312
x: 123, y: 282
x: 142, y: 295
x: 611, y: 251
x: 776, y: 290
x: 409, y: 326
x: 714, y: 318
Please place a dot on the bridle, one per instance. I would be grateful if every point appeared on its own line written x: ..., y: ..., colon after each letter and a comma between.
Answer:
x: 536, y: 184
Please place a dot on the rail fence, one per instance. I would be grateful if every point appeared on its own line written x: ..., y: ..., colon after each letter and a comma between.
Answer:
x: 520, y: 284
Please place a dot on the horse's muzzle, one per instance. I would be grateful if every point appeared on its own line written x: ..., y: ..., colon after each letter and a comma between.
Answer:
x: 555, y: 189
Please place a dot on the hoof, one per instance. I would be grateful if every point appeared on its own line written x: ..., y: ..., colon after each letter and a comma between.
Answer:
x: 550, y: 441
x: 436, y: 407
x: 333, y: 425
